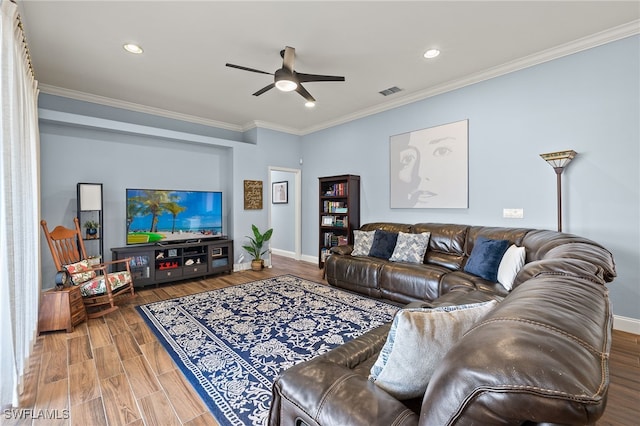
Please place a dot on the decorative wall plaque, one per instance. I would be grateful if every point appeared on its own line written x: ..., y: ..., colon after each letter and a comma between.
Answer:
x: 253, y: 195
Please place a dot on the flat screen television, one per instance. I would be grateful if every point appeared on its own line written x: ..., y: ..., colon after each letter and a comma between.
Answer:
x: 165, y: 216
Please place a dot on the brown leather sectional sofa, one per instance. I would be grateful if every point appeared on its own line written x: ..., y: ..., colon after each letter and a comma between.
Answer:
x: 540, y: 357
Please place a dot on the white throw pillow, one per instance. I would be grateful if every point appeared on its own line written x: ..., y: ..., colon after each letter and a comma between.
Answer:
x: 417, y: 342
x: 510, y: 265
x: 362, y: 241
x: 410, y: 247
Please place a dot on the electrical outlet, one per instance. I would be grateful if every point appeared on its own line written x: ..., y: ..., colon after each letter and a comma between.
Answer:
x: 513, y: 213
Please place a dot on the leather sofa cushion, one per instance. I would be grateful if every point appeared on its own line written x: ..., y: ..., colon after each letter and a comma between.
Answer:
x: 355, y: 273
x: 386, y: 226
x: 446, y: 244
x: 457, y: 280
x: 408, y: 282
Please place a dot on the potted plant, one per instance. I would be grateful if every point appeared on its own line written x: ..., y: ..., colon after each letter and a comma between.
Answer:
x: 92, y: 229
x: 254, y: 248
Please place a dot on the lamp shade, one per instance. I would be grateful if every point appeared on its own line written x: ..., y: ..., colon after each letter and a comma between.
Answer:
x: 90, y: 196
x: 560, y: 159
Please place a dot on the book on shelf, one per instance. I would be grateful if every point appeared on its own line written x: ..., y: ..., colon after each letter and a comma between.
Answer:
x: 334, y: 207
x: 331, y: 239
x: 324, y: 253
x: 337, y: 190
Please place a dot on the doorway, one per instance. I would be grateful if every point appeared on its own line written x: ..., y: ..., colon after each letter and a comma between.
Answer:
x: 286, y: 217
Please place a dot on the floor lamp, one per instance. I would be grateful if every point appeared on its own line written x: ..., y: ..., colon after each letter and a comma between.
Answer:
x: 559, y: 160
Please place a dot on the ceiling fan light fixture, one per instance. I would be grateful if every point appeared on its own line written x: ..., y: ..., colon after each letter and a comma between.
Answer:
x: 286, y: 85
x: 431, y: 53
x: 132, y: 48
x: 285, y: 81
x: 309, y: 104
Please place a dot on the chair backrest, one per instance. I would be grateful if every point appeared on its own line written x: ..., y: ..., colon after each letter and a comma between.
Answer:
x: 66, y: 244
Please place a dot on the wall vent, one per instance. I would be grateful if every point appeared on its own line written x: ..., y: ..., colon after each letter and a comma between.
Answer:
x: 390, y: 91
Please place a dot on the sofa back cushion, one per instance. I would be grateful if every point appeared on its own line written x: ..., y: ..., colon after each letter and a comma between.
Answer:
x: 559, y: 253
x: 513, y: 235
x: 386, y: 226
x: 446, y: 244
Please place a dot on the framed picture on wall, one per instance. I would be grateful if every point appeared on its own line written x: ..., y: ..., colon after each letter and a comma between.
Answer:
x: 253, y: 195
x: 280, y: 192
x: 429, y: 168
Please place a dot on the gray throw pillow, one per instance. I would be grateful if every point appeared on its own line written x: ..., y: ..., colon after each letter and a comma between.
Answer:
x: 417, y: 342
x: 410, y: 247
x: 362, y: 242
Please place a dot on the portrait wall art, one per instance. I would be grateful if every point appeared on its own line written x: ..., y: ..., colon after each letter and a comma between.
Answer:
x: 429, y: 168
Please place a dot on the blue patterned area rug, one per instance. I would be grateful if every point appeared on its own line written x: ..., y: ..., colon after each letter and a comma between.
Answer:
x: 231, y: 343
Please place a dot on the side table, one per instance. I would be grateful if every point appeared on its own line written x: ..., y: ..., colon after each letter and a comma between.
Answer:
x: 61, y: 309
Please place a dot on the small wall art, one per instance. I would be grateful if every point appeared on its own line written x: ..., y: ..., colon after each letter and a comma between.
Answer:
x: 280, y: 192
x: 253, y: 195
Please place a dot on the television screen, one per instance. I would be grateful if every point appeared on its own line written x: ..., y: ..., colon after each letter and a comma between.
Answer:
x: 160, y: 216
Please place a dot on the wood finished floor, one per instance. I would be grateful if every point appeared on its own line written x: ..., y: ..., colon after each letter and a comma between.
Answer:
x: 113, y: 371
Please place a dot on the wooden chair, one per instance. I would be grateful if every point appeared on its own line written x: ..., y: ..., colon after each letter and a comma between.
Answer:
x: 67, y: 249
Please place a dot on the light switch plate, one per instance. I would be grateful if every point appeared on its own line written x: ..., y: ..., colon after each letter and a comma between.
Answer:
x: 513, y: 213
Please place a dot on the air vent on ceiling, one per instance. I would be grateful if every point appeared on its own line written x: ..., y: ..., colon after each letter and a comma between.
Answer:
x: 390, y: 91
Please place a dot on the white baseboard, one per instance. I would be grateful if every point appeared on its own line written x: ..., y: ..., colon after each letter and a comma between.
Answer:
x: 239, y: 267
x: 284, y: 253
x: 310, y: 259
x: 626, y: 324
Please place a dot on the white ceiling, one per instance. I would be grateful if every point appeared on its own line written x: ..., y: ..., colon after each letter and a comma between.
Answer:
x: 76, y: 50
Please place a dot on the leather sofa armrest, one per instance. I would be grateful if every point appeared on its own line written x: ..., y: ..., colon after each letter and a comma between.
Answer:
x: 320, y: 392
x: 343, y: 250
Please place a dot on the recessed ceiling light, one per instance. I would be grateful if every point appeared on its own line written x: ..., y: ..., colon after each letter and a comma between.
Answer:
x: 309, y: 104
x: 132, y: 48
x: 431, y: 53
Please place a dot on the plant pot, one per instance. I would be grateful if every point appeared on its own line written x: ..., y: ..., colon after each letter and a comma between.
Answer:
x: 92, y: 233
x: 257, y: 264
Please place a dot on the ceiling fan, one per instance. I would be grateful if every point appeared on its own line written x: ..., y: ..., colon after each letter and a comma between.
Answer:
x: 287, y: 79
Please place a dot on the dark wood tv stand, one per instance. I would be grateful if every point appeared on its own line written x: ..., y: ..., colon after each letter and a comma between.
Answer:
x: 160, y: 263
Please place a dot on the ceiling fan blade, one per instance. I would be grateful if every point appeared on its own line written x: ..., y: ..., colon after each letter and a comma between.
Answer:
x: 306, y: 78
x: 303, y: 92
x: 288, y: 58
x: 264, y: 89
x: 240, y: 67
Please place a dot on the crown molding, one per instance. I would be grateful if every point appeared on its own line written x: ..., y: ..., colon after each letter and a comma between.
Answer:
x: 585, y: 43
x: 271, y: 126
x: 116, y: 103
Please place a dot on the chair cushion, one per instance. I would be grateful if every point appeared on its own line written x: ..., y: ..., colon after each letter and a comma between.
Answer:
x: 80, y: 271
x: 96, y: 286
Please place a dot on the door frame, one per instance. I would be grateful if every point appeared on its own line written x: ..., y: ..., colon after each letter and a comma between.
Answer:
x: 297, y: 206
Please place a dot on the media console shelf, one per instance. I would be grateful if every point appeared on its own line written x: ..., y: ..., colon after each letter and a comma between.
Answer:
x: 161, y: 263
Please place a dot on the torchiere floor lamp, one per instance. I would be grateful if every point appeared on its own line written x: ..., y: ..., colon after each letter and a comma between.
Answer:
x: 559, y: 160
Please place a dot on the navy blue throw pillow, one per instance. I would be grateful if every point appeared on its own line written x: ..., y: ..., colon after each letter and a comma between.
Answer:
x: 383, y: 244
x: 485, y: 258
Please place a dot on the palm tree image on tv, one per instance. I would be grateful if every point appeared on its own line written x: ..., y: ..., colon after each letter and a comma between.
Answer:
x: 174, y: 209
x: 155, y: 215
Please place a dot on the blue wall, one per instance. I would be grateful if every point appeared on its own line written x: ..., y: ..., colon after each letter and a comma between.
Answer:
x: 588, y: 102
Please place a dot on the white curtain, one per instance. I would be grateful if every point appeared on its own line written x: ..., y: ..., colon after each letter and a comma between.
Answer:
x: 20, y: 280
